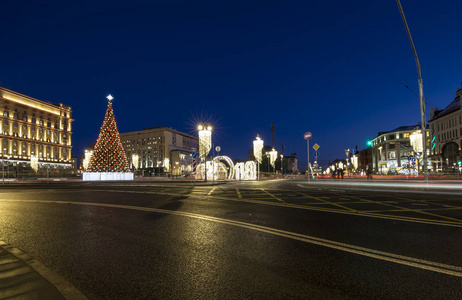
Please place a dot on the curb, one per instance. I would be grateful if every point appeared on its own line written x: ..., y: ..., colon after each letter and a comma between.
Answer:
x: 26, y: 278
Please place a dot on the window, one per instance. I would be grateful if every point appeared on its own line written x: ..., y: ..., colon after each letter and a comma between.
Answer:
x: 33, y: 121
x: 406, y: 135
x: 6, y: 114
x: 15, y: 124
x: 15, y: 115
x: 32, y: 128
x: 41, y: 122
x: 24, y: 119
x: 5, y: 123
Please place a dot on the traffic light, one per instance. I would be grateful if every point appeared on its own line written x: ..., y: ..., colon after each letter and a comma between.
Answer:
x: 369, y: 143
x: 433, y: 142
x: 407, y: 165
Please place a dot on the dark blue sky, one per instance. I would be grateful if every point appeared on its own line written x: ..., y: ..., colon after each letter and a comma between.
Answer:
x: 335, y: 68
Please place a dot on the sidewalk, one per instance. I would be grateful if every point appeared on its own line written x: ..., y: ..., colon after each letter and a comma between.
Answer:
x: 22, y: 277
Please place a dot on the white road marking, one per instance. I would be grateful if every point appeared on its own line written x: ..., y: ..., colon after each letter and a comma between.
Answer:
x: 381, y: 255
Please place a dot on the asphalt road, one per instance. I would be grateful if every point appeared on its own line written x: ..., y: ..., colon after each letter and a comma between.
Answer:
x: 274, y: 239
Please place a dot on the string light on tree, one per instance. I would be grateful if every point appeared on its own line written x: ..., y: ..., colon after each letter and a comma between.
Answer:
x: 109, y: 155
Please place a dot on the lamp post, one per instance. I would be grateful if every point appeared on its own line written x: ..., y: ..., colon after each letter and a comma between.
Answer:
x: 347, y: 153
x: 282, y: 164
x: 257, y: 152
x: 273, y: 156
x: 423, y: 122
x: 205, y: 143
x: 135, y: 161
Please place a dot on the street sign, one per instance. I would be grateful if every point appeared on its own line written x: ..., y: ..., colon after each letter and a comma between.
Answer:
x: 193, y: 143
x: 316, y: 154
x: 194, y: 155
x: 308, y: 135
x: 418, y: 154
x: 316, y: 147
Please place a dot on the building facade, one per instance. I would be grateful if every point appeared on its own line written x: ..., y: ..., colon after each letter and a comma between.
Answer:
x: 160, y: 150
x: 446, y: 128
x: 35, y: 136
x: 398, y: 150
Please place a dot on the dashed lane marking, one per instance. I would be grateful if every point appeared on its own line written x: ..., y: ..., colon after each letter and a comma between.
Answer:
x: 238, y: 193
x: 211, y: 191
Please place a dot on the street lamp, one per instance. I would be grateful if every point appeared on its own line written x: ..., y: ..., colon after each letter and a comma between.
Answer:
x: 273, y: 156
x: 257, y: 152
x: 205, y: 143
x: 423, y: 122
x: 135, y: 162
x: 282, y: 164
x: 347, y: 153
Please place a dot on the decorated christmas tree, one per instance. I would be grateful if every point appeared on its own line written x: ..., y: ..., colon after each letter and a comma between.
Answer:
x: 109, y: 154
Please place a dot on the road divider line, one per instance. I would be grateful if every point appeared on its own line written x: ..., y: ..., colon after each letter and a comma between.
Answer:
x: 279, y: 199
x: 367, y: 252
x: 408, y: 209
x: 327, y: 202
x: 211, y: 191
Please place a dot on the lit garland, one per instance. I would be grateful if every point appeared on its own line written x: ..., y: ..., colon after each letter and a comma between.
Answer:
x: 257, y: 149
x: 273, y: 157
x: 108, y: 154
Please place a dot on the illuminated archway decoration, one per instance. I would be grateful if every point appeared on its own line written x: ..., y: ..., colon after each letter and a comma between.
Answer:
x: 223, y: 167
x: 250, y: 172
x: 230, y: 163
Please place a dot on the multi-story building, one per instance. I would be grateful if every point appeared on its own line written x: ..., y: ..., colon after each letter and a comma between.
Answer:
x: 393, y: 150
x: 160, y: 150
x: 37, y: 132
x: 446, y: 128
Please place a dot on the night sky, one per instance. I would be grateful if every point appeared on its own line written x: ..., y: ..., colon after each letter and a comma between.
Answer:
x: 338, y: 69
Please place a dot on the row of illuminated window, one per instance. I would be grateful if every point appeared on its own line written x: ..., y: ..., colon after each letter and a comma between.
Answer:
x: 15, y: 152
x: 33, y: 119
x: 32, y: 128
x: 32, y: 146
x: 394, y: 136
x: 145, y: 141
